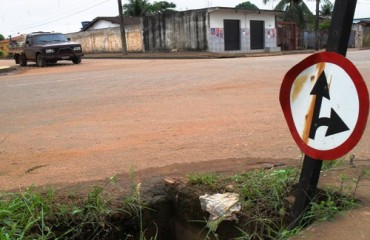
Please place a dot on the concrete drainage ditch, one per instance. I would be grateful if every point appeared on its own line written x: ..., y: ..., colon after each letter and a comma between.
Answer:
x: 174, y: 212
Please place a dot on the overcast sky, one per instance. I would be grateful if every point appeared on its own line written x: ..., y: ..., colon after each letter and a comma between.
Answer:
x: 24, y: 16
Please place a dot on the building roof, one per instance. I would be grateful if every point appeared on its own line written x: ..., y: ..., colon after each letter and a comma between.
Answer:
x: 127, y: 21
x: 361, y: 20
x: 259, y: 11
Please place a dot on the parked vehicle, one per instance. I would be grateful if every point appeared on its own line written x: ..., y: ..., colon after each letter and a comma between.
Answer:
x: 45, y: 48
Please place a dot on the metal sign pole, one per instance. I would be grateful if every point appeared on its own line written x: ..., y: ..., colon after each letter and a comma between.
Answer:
x: 307, y: 186
x: 339, y: 35
x: 341, y: 25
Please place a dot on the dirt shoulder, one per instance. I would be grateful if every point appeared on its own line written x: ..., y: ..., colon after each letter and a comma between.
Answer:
x: 353, y: 224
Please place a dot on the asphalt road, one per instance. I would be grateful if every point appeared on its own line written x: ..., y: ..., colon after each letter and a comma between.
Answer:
x: 77, y: 123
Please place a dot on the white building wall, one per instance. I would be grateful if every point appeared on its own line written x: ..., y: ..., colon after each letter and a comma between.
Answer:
x: 102, y: 24
x: 216, y: 29
x: 217, y: 18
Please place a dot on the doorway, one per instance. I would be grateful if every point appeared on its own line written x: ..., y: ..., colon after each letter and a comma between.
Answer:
x: 232, y: 35
x: 257, y: 34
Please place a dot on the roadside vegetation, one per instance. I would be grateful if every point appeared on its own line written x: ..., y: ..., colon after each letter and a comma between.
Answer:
x: 266, y: 197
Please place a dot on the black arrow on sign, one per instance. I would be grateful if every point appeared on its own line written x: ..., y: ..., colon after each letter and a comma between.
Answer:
x: 335, y: 124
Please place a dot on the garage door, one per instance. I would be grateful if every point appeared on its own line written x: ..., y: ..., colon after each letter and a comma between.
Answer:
x: 232, y: 35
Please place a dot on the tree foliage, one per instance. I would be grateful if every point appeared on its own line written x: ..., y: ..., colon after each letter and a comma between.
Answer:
x: 326, y: 9
x: 2, y: 37
x: 136, y: 8
x: 140, y: 8
x: 162, y: 7
x: 247, y: 5
x: 295, y: 11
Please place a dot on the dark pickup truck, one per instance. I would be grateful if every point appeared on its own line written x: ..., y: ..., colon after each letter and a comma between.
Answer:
x: 46, y: 48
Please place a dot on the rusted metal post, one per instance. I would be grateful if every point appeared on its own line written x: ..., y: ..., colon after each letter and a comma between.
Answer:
x: 339, y: 35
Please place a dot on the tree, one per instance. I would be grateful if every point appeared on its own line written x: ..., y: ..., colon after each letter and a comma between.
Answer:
x: 247, y: 5
x: 140, y: 8
x: 136, y: 8
x: 162, y: 7
x: 2, y: 37
x: 326, y: 10
x: 295, y: 11
x: 317, y: 24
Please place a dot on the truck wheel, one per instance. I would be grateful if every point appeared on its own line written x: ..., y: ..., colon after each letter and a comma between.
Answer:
x: 40, y: 61
x: 22, y: 60
x: 76, y: 60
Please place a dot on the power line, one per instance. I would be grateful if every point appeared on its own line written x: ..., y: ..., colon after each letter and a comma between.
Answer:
x: 42, y: 23
x: 56, y: 19
x: 59, y: 15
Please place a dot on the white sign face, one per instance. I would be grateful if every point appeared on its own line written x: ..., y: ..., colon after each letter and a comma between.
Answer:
x: 325, y: 105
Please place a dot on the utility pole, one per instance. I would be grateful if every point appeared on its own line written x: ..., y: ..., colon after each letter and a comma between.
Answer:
x: 123, y: 32
x: 317, y: 26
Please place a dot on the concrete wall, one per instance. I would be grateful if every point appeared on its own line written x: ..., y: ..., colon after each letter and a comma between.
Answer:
x: 181, y: 31
x: 359, y: 34
x: 362, y: 35
x: 366, y: 36
x: 216, y: 32
x: 204, y: 30
x: 109, y: 40
x: 194, y: 30
x: 362, y: 38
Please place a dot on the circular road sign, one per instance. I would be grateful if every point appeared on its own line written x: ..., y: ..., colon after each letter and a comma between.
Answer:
x: 326, y: 105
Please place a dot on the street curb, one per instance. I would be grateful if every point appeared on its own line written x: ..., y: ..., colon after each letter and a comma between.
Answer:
x: 189, y: 55
x: 6, y: 69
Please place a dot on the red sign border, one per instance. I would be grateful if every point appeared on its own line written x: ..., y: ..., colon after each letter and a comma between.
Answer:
x: 363, y: 95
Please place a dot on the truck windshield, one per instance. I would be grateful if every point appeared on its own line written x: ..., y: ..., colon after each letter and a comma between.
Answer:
x: 50, y: 38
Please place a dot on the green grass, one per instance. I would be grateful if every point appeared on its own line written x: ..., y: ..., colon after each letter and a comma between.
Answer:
x: 208, y: 179
x: 265, y: 196
x: 24, y: 214
x: 32, y: 215
x: 133, y: 205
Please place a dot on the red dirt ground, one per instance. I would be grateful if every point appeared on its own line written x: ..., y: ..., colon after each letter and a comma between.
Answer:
x: 160, y: 117
x: 155, y: 116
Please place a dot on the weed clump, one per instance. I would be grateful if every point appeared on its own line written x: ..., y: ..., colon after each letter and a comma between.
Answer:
x: 33, y: 215
x: 267, y: 198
